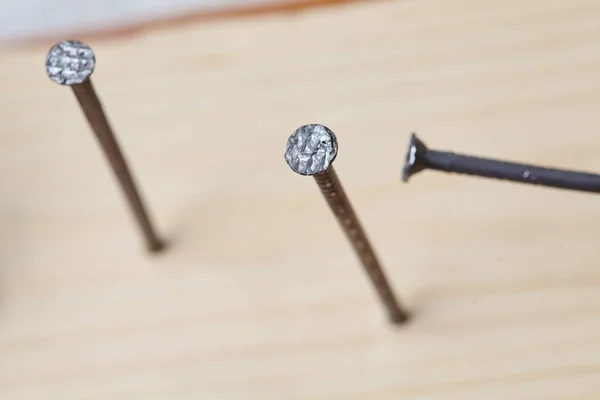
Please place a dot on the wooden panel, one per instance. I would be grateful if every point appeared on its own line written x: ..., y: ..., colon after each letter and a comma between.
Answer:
x: 259, y: 295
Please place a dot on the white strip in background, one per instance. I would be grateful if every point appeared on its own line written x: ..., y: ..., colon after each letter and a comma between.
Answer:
x: 25, y: 19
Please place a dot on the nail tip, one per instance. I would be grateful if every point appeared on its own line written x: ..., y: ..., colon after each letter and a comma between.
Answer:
x: 400, y: 318
x: 157, y: 247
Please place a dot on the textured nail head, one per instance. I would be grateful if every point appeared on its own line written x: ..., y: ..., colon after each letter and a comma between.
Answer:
x: 70, y: 62
x: 414, y: 157
x: 311, y: 149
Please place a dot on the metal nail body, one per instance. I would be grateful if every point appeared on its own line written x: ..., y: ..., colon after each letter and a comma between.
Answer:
x: 419, y: 158
x: 71, y: 63
x: 310, y: 151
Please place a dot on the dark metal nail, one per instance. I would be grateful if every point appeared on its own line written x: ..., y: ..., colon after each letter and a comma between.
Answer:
x: 310, y: 151
x: 419, y: 157
x: 71, y: 63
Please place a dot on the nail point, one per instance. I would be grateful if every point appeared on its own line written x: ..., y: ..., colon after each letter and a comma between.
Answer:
x: 157, y: 247
x: 400, y: 319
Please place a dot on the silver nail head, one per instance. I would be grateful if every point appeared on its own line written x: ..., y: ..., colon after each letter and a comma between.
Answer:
x: 311, y: 149
x: 70, y: 62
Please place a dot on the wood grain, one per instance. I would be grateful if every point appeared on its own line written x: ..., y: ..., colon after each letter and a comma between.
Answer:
x: 259, y: 295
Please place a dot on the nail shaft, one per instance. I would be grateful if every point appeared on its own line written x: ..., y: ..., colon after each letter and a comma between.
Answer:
x: 310, y: 152
x: 337, y: 200
x: 92, y: 108
x: 419, y: 157
x: 71, y: 63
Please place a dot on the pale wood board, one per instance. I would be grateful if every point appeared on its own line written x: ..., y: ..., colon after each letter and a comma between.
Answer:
x: 259, y: 295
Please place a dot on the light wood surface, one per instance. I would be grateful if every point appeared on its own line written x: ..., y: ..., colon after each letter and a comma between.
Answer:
x: 259, y: 295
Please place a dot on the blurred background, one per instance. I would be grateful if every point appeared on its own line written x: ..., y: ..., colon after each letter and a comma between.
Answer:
x: 19, y: 22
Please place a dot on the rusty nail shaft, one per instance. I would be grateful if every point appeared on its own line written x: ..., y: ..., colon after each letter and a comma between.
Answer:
x: 310, y: 151
x: 71, y: 63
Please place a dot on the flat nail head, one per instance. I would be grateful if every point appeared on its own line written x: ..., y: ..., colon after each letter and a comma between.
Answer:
x: 70, y: 62
x: 311, y: 149
x: 414, y: 157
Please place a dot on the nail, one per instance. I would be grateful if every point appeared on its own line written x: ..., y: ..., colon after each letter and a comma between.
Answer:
x: 419, y: 158
x: 310, y: 151
x: 71, y: 63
